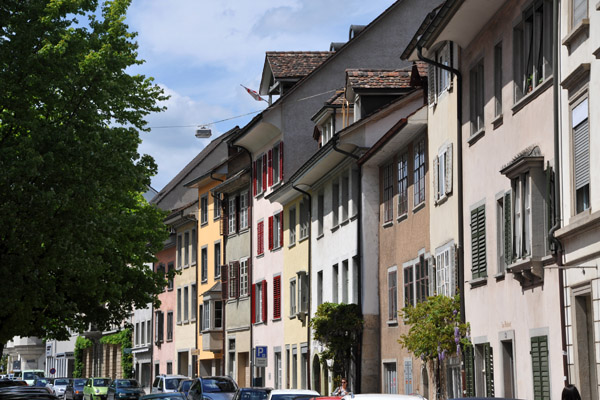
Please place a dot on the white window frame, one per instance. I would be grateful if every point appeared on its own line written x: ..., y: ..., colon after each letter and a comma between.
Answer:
x: 207, y: 323
x: 275, y: 163
x: 259, y: 174
x: 444, y: 270
x: 232, y: 280
x: 204, y: 209
x: 292, y: 226
x: 522, y: 216
x: 293, y: 291
x: 243, y: 210
x: 186, y: 249
x: 277, y: 228
x: 231, y: 215
x: 304, y: 222
x: 419, y: 172
x: 244, y: 277
x: 258, y: 303
x: 217, y: 206
x: 402, y: 184
x: 392, y: 292
x: 186, y: 304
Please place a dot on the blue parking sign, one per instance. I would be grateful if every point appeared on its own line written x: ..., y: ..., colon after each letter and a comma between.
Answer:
x: 260, y: 356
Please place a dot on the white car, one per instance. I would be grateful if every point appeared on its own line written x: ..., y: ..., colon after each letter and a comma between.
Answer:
x: 59, y: 386
x: 380, y: 396
x: 292, y: 394
x: 167, y: 383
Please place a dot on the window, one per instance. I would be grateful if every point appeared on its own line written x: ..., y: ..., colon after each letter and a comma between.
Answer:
x: 218, y: 314
x: 319, y: 288
x: 442, y: 172
x: 345, y: 284
x: 186, y: 304
x: 259, y: 300
x: 292, y: 227
x: 409, y: 284
x: 320, y: 213
x: 160, y: 325
x: 178, y: 305
x: 137, y: 334
x: 204, y: 209
x: 476, y: 98
x: 148, y: 332
x: 179, y: 251
x: 439, y: 79
x: 278, y: 370
x: 334, y: 283
x: 186, y: 249
x: 160, y: 269
x: 277, y: 297
x: 170, y: 281
x: 479, y: 265
x: 422, y: 279
x: 231, y: 214
x: 532, y: 48
x: 275, y: 231
x: 579, y: 11
x: 345, y: 196
x: 169, y: 326
x: 403, y: 184
x: 260, y: 238
x: 522, y: 215
x: 498, y: 79
x: 304, y: 220
x: 444, y: 270
x: 201, y: 319
x: 392, y: 294
x: 244, y: 210
x: 216, y: 205
x: 419, y: 173
x: 292, y: 297
x: 194, y: 306
x: 204, y: 271
x: 259, y: 175
x: 581, y: 155
x: 169, y: 368
x: 294, y: 367
x: 206, y: 322
x: 335, y: 203
x: 276, y: 164
x: 539, y: 365
x: 388, y: 192
x: 479, y: 370
x: 390, y: 378
x: 244, y: 278
x: 217, y: 260
x: 500, y: 233
x: 194, y: 247
x: 303, y: 366
x: 233, y: 279
x: 302, y: 300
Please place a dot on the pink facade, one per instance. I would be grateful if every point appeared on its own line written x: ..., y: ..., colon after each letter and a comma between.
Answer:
x: 164, y: 352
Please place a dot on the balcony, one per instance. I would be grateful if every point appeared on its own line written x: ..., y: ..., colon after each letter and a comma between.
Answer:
x: 212, y: 340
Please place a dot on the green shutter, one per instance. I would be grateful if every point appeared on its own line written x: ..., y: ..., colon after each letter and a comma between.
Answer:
x: 508, y: 245
x: 488, y: 356
x: 469, y: 370
x: 539, y: 364
x: 478, y: 251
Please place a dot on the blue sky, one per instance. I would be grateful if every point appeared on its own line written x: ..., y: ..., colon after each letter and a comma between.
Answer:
x: 200, y: 52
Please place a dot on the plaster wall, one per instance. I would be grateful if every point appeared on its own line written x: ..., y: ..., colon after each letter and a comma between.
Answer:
x: 166, y: 351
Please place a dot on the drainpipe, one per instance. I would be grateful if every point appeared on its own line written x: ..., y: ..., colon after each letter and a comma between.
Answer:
x: 459, y: 150
x: 359, y: 252
x: 558, y: 246
x: 308, y: 364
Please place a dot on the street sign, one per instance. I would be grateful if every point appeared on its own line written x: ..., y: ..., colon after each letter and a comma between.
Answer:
x: 52, y: 371
x: 260, y: 356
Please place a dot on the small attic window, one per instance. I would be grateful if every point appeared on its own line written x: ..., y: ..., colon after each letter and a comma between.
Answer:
x: 355, y: 30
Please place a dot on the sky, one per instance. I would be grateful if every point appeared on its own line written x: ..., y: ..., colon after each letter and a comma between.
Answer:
x: 200, y: 52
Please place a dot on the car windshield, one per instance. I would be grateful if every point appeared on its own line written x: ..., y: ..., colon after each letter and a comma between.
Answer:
x: 101, y: 382
x: 79, y: 382
x: 185, y: 385
x: 172, y: 383
x: 127, y: 383
x: 61, y: 382
x: 254, y: 395
x: 216, y: 385
x: 32, y: 375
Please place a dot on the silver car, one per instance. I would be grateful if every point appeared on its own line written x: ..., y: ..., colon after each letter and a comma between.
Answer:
x: 59, y: 386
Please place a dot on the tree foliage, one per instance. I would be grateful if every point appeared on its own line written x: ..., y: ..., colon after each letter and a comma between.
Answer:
x: 123, y: 339
x: 81, y: 343
x: 338, y: 328
x: 75, y: 231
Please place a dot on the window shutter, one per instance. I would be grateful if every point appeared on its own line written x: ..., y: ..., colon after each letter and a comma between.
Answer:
x: 539, y: 365
x: 432, y: 277
x: 270, y: 167
x: 161, y: 326
x: 264, y: 173
x: 271, y: 232
x: 436, y: 171
x: 431, y: 84
x: 478, y: 251
x: 264, y: 304
x: 508, y: 236
x: 453, y: 274
x: 254, y: 178
x: 449, y: 169
x: 260, y: 238
x: 224, y: 287
x: 277, y: 297
x: 581, y: 154
x: 236, y: 266
x: 451, y: 64
x: 469, y: 371
x: 281, y: 229
x: 281, y: 161
x: 488, y: 356
x: 253, y: 307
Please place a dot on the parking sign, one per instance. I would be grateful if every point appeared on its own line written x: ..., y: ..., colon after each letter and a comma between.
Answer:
x: 260, y: 356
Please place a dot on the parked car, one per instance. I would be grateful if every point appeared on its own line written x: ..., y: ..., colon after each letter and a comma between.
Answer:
x: 11, y: 382
x: 29, y: 375
x: 43, y: 382
x: 213, y: 388
x: 164, y: 396
x: 379, y: 396
x: 184, y: 386
x: 292, y: 394
x: 74, y: 390
x: 256, y: 393
x: 59, y: 386
x: 167, y: 383
x: 128, y: 389
x: 24, y: 392
x: 96, y: 389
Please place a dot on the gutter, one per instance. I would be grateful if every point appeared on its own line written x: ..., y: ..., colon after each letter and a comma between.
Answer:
x: 459, y: 150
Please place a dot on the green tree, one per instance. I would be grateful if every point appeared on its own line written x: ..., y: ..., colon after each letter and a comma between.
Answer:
x: 338, y: 327
x: 75, y: 231
x: 435, y: 332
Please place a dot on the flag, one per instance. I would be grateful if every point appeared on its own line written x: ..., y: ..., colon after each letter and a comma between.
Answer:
x: 253, y: 93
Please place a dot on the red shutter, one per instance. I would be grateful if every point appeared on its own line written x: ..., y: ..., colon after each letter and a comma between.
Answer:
x: 281, y: 229
x: 264, y: 173
x: 260, y: 238
x: 281, y: 161
x: 224, y: 276
x: 271, y: 232
x: 277, y: 297
x: 253, y: 311
x: 264, y: 304
x: 236, y: 265
x: 254, y: 178
x: 270, y: 167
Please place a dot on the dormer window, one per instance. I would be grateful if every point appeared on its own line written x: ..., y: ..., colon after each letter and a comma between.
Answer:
x: 327, y: 131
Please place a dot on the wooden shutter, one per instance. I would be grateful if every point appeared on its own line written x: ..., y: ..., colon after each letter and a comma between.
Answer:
x: 448, y: 168
x: 225, y: 216
x: 255, y: 191
x: 488, y: 357
x: 264, y: 303
x: 539, y: 365
x: 436, y: 177
x: 469, y: 371
x: 270, y: 167
x: 508, y: 236
x: 224, y: 280
x: 236, y: 266
x: 277, y: 297
x: 271, y: 232
x: 260, y: 238
x: 581, y: 154
x: 281, y: 161
x: 478, y: 250
x: 281, y: 229
x: 264, y: 173
x: 253, y: 303
x: 431, y: 84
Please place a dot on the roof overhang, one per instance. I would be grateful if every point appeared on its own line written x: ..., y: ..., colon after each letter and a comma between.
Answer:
x: 257, y: 135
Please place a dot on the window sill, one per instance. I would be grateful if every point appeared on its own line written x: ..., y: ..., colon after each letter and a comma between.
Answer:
x: 498, y: 121
x: 354, y: 217
x: 418, y: 207
x: 293, y: 316
x: 402, y: 217
x: 500, y: 276
x: 169, y: 340
x: 203, y: 224
x: 475, y: 137
x: 243, y: 230
x: 345, y: 222
x: 205, y: 280
x: 387, y: 224
x: 292, y: 245
x: 169, y: 289
x: 274, y: 249
x: 529, y: 97
x: 179, y: 323
x: 231, y: 234
x: 596, y: 53
x: 193, y: 320
x: 528, y: 271
x: 320, y: 236
x: 582, y: 28
x: 441, y: 200
x: 261, y: 255
x: 335, y: 228
x: 392, y: 323
x: 478, y: 282
x: 276, y: 319
x: 303, y: 239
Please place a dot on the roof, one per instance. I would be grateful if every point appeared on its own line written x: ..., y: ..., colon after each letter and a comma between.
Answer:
x: 378, y: 79
x: 295, y: 64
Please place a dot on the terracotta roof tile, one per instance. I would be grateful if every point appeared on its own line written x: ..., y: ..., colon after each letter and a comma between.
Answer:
x: 422, y: 68
x: 378, y: 79
x: 337, y: 99
x: 295, y: 64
